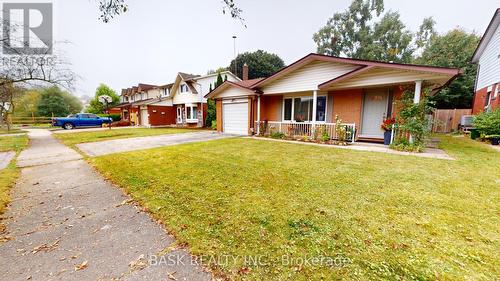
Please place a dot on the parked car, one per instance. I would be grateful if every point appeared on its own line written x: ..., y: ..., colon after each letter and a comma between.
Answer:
x: 80, y: 120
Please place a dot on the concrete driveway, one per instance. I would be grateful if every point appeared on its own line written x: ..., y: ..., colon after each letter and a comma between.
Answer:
x: 66, y: 222
x: 130, y: 144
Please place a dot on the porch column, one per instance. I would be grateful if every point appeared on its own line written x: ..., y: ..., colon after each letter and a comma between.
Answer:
x: 418, y: 91
x: 315, y: 103
x: 416, y: 97
x: 258, y: 115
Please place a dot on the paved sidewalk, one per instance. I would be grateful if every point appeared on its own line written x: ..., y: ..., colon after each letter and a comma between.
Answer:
x: 373, y: 147
x: 66, y: 222
x: 131, y: 144
x: 5, y: 158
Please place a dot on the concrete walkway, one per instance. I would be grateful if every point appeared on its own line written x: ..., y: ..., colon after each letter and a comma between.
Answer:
x: 131, y: 144
x: 66, y: 222
x: 373, y: 147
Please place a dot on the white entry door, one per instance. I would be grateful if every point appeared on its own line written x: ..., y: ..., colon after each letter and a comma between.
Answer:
x: 374, y: 111
x: 179, y: 115
x: 144, y: 117
x: 235, y: 118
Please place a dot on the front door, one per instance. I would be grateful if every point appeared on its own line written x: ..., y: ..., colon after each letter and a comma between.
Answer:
x: 179, y: 115
x: 144, y: 117
x: 375, y: 107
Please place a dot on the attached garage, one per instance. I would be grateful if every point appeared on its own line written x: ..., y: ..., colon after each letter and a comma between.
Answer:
x: 235, y: 117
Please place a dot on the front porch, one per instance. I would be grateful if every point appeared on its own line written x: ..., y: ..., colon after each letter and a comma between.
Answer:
x: 307, y: 130
x: 313, y: 114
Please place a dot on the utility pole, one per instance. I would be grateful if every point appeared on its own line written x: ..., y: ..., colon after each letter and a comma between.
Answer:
x: 235, y: 57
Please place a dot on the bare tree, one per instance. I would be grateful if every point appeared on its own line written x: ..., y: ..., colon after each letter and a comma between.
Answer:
x: 112, y: 8
x: 24, y: 69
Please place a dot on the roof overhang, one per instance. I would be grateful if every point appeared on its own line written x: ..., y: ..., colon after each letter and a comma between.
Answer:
x: 488, y: 34
x: 362, y: 63
x: 228, y: 84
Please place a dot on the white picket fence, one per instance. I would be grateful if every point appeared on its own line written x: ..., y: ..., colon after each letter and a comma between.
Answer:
x: 302, y: 129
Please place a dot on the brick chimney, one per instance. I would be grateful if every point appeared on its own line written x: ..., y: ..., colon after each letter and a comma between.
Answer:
x: 245, y: 72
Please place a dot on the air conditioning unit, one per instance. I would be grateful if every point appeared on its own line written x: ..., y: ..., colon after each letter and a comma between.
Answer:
x: 466, y: 120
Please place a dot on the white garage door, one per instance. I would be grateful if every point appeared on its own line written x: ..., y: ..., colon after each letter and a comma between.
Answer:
x: 235, y: 118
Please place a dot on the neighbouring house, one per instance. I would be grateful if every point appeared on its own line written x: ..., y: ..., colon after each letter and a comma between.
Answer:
x: 147, y: 105
x: 487, y: 56
x: 188, y: 96
x: 316, y: 88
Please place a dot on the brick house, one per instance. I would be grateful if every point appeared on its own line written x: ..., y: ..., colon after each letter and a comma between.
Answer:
x: 316, y: 88
x: 147, y: 105
x: 487, y: 56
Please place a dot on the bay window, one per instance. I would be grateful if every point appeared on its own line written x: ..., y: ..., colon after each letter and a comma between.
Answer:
x: 192, y: 113
x: 300, y: 109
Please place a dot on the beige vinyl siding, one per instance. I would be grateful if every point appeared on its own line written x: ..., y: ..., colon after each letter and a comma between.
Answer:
x: 489, y: 62
x: 308, y: 77
x: 384, y: 76
x: 233, y: 91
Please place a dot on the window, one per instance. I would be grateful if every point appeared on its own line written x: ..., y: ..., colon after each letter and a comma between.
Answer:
x: 165, y: 92
x: 487, y: 100
x: 191, y: 112
x: 92, y: 116
x: 184, y: 88
x: 301, y: 109
x: 287, y: 116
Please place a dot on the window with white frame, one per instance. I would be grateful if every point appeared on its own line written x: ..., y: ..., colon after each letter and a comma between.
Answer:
x: 184, y: 88
x: 165, y: 92
x: 191, y: 112
x: 300, y: 109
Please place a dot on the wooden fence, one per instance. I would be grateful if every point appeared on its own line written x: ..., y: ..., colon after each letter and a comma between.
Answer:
x: 447, y: 120
x: 30, y: 120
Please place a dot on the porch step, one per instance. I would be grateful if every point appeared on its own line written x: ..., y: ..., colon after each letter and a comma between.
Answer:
x: 433, y: 143
x: 366, y: 139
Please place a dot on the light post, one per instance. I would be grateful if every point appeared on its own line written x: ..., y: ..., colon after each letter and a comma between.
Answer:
x: 235, y: 57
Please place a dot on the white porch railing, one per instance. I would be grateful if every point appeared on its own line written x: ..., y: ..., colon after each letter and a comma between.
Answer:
x: 300, y: 129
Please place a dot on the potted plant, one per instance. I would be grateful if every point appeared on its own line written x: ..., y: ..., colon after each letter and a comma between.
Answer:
x: 387, y: 125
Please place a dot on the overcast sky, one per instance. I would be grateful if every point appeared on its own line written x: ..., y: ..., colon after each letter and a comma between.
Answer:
x: 156, y: 39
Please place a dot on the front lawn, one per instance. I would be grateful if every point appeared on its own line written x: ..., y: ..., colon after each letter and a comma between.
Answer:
x: 9, y: 175
x: 11, y: 131
x: 75, y: 137
x: 268, y: 204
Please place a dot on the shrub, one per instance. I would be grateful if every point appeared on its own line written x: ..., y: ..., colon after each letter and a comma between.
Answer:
x: 214, y: 125
x: 412, y: 120
x: 402, y: 144
x: 121, y: 123
x: 324, y: 135
x: 488, y: 123
x: 278, y: 135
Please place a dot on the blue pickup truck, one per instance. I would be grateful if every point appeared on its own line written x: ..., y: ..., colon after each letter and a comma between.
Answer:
x: 80, y: 120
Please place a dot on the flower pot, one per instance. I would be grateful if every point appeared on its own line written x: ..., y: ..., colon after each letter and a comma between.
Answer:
x: 494, y: 141
x: 387, y: 137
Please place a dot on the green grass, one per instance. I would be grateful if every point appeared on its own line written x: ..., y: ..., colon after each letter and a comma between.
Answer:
x: 76, y: 137
x: 11, y: 131
x: 393, y: 217
x: 15, y: 143
x: 9, y: 175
